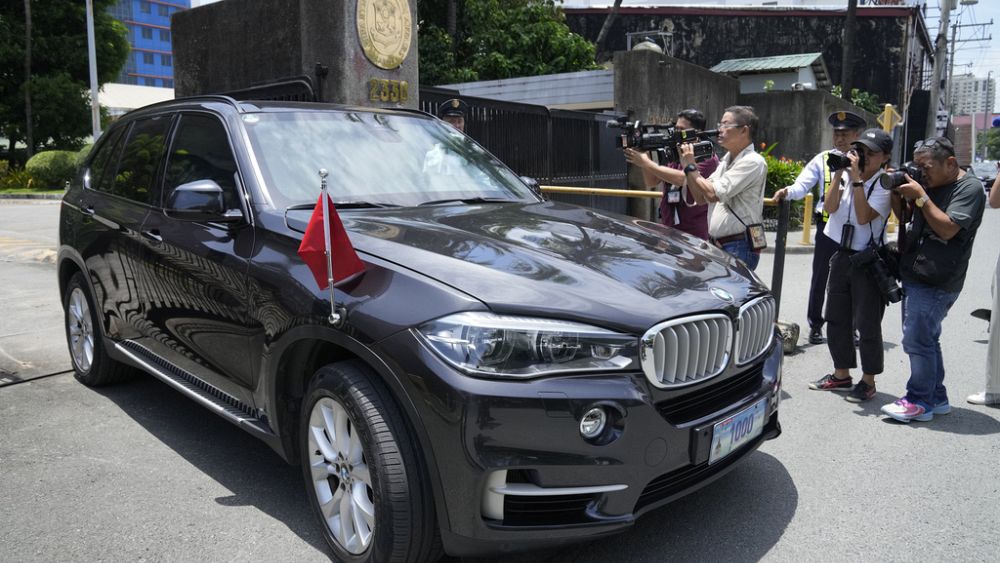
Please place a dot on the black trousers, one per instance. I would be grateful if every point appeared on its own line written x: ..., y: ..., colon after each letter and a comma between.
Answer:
x: 854, y: 301
x: 823, y: 251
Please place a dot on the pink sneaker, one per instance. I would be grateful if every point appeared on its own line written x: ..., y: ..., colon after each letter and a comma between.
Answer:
x: 905, y: 411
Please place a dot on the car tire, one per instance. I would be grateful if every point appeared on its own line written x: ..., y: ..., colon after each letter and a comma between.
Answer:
x: 91, y: 364
x: 364, y: 479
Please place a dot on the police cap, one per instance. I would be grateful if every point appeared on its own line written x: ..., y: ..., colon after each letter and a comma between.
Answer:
x: 453, y: 108
x: 846, y: 120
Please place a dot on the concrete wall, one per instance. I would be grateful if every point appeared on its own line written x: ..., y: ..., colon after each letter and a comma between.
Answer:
x: 797, y: 121
x: 653, y: 88
x: 236, y: 44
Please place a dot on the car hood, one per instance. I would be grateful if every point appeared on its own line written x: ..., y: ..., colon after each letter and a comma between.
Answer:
x: 555, y: 260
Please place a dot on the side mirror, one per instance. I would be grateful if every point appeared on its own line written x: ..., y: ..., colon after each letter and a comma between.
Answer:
x: 533, y: 185
x: 200, y: 200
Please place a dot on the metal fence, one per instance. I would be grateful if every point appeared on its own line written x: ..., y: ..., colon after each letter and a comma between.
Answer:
x: 555, y: 147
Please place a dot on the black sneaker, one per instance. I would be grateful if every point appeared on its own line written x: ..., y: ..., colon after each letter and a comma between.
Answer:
x: 816, y: 336
x: 861, y: 392
x: 830, y: 383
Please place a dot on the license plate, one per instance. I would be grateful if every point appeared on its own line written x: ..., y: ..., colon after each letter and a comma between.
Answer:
x: 737, y: 430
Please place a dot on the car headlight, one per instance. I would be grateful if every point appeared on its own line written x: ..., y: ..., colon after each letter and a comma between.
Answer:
x: 507, y: 346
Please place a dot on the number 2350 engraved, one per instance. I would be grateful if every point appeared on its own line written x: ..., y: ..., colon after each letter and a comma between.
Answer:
x: 383, y: 90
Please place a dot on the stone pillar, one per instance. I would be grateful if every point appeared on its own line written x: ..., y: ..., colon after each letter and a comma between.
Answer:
x: 358, y: 52
x: 653, y: 88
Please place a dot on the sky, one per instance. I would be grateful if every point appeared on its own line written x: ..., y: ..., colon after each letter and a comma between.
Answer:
x: 979, y: 57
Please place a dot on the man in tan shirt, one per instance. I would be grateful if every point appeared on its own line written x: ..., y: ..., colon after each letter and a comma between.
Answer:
x: 736, y: 186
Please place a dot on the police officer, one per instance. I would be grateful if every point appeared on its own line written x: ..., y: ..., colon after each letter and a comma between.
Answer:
x: 847, y: 126
x: 453, y: 111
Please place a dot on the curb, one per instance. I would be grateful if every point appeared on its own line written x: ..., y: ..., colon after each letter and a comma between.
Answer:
x: 31, y: 196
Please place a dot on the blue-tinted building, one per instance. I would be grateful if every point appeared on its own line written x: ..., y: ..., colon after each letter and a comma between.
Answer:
x: 151, y: 62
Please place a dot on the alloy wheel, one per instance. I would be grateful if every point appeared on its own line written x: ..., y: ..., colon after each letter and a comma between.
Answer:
x: 340, y: 476
x: 80, y: 325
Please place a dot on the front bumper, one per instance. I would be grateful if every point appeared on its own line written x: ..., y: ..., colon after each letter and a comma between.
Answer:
x: 523, y: 439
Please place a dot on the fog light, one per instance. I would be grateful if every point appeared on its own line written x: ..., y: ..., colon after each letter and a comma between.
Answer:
x: 592, y: 423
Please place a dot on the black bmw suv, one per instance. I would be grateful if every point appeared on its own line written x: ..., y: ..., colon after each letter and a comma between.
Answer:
x: 508, y: 372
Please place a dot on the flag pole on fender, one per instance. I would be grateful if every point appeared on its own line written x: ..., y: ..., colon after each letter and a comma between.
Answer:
x: 334, y: 315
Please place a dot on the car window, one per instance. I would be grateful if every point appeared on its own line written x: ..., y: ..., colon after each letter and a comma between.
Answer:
x: 385, y: 158
x: 105, y: 159
x: 201, y: 151
x: 141, y: 159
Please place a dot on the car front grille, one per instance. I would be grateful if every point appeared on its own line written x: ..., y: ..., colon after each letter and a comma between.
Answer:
x: 756, y: 329
x: 687, y: 350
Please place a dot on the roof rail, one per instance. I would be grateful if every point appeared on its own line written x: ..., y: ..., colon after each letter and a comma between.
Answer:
x: 205, y: 97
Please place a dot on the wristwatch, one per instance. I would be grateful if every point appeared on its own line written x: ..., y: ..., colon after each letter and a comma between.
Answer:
x: 920, y: 201
x: 690, y: 168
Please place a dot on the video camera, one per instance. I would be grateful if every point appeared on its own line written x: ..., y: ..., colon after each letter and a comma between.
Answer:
x: 663, y: 138
x: 892, y: 180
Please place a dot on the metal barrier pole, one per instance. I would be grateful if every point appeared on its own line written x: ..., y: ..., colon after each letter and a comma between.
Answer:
x: 807, y: 219
x: 777, y: 275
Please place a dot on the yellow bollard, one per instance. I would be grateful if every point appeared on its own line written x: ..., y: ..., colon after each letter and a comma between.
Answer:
x: 807, y: 219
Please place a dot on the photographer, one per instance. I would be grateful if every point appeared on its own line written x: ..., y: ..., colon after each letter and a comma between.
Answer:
x: 847, y: 127
x: 947, y: 215
x: 858, y: 211
x: 679, y: 208
x: 736, y: 186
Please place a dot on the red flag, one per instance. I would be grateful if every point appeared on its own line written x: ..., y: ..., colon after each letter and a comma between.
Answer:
x: 346, y: 263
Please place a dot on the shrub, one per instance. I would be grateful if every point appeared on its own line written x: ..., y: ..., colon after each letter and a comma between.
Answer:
x: 81, y: 155
x: 15, y: 179
x: 51, y: 169
x: 782, y: 172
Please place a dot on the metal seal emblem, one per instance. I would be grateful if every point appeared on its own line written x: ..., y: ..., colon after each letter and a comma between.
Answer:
x: 385, y: 30
x: 722, y: 294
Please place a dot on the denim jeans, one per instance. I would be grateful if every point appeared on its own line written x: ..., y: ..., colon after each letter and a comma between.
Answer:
x: 926, y: 306
x: 742, y: 250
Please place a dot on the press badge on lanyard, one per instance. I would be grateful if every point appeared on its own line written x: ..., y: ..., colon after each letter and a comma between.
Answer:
x: 673, y: 194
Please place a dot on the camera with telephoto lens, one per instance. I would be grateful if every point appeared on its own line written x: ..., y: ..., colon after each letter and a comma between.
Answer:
x: 886, y: 283
x: 663, y: 138
x: 892, y: 180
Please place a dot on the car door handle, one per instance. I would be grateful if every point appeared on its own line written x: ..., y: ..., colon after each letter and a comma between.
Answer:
x: 153, y: 235
x: 88, y: 210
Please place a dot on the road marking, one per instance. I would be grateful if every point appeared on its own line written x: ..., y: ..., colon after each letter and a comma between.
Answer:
x: 22, y: 250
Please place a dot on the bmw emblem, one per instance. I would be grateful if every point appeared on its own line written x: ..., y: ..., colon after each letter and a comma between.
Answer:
x: 722, y: 294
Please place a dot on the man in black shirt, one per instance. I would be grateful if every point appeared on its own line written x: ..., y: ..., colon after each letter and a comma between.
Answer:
x: 939, y: 243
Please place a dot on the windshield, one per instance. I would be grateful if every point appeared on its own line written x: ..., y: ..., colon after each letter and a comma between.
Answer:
x: 985, y: 169
x: 374, y: 158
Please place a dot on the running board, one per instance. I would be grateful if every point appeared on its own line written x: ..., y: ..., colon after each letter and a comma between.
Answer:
x: 206, y: 394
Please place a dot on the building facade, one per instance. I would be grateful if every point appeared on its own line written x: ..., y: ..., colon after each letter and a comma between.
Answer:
x: 893, y: 49
x: 971, y: 94
x: 151, y: 62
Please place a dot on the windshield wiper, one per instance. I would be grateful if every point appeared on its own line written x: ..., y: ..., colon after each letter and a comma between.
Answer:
x: 478, y: 199
x: 354, y: 204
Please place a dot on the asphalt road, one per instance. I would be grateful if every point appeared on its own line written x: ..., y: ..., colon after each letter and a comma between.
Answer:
x: 137, y: 472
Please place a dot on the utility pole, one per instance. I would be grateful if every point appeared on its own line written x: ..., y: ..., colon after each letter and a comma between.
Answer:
x: 940, y: 46
x: 29, y: 137
x: 847, y: 58
x: 95, y: 107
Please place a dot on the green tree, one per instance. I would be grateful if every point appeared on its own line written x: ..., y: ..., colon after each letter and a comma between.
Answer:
x: 864, y: 100
x: 497, y: 39
x: 991, y: 140
x: 60, y: 72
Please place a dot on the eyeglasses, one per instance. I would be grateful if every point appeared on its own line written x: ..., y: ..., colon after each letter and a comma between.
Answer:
x: 728, y: 125
x: 935, y: 141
